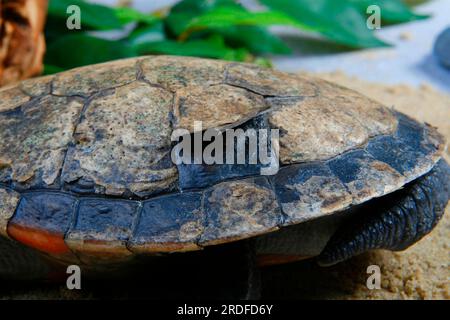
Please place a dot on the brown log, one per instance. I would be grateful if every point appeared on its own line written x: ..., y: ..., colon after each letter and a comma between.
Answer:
x: 22, y: 43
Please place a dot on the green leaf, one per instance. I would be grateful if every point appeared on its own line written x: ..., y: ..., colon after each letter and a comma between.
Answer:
x: 127, y: 15
x: 213, y: 47
x: 257, y: 40
x: 226, y: 16
x: 340, y: 21
x: 394, y: 11
x: 184, y: 11
x: 80, y: 49
x: 92, y: 15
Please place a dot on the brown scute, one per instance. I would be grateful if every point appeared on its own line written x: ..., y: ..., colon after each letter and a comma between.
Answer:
x: 175, y: 73
x: 337, y: 120
x: 8, y: 204
x: 268, y: 82
x: 239, y: 209
x: 373, y: 116
x: 34, y: 139
x: 88, y: 80
x: 216, y: 106
x: 313, y: 130
x: 123, y: 141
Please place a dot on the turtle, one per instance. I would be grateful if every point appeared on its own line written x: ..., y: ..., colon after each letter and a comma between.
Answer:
x: 87, y: 175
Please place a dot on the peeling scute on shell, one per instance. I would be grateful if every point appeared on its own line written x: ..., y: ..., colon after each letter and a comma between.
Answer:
x: 269, y: 82
x: 9, y: 201
x: 87, y: 80
x: 123, y: 143
x: 34, y: 140
x: 215, y: 106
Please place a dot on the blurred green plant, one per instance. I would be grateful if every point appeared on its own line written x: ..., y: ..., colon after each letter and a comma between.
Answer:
x: 220, y: 29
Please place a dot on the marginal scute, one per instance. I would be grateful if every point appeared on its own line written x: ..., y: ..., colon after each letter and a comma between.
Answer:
x: 269, y: 82
x: 239, y: 209
x: 308, y: 191
x: 87, y: 80
x: 169, y: 224
x: 8, y: 204
x: 41, y: 221
x: 365, y: 177
x: 101, y: 229
x: 215, y: 106
x: 34, y: 139
x: 51, y: 212
x: 174, y: 73
x: 425, y: 143
x: 123, y: 142
x: 12, y: 97
x: 399, y: 155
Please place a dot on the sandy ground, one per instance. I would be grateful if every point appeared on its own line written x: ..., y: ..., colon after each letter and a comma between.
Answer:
x: 420, y: 272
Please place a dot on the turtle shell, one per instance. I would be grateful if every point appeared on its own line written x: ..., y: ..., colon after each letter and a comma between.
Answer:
x: 86, y: 172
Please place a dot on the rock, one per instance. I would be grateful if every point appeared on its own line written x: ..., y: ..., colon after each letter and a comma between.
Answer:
x: 442, y: 48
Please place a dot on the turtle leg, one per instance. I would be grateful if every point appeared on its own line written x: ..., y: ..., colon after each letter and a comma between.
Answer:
x: 393, y: 222
x: 17, y: 262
